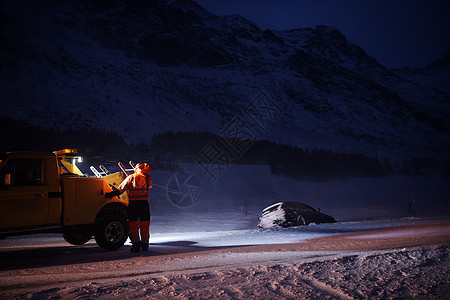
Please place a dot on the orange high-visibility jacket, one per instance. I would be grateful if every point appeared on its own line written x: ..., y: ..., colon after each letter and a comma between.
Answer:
x: 138, y: 184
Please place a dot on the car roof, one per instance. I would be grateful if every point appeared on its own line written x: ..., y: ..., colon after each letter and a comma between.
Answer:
x: 272, y: 206
x: 289, y: 204
x: 297, y: 205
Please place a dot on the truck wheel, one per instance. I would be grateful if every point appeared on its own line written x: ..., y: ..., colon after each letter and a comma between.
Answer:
x: 111, y: 233
x: 76, y: 238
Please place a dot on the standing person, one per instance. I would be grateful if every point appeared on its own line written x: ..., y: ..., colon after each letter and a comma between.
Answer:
x: 137, y: 185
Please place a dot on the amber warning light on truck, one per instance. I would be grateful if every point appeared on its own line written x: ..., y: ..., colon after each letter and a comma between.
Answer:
x: 65, y: 152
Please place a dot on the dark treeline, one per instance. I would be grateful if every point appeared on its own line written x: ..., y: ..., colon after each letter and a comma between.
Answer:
x: 286, y: 160
x: 95, y: 145
x: 315, y: 164
x: 180, y: 145
x: 167, y: 149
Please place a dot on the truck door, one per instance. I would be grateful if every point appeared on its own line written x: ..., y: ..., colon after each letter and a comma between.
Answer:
x: 23, y: 195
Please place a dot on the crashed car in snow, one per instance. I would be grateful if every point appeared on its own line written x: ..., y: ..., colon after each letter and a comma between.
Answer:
x: 287, y: 214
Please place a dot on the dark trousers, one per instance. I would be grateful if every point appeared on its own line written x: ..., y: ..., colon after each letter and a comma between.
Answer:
x: 138, y: 211
x: 139, y: 216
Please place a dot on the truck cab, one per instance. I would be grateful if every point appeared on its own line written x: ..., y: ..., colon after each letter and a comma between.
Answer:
x: 46, y: 192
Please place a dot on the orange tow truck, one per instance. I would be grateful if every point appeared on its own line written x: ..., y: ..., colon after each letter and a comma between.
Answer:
x: 43, y: 192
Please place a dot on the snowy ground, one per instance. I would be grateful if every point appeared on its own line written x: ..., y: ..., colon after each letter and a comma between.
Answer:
x: 213, y: 249
x: 405, y: 258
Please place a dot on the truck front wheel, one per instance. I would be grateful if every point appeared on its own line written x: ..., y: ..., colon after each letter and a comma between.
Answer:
x: 111, y: 233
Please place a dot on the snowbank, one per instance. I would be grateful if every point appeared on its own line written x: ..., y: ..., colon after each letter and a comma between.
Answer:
x: 405, y: 262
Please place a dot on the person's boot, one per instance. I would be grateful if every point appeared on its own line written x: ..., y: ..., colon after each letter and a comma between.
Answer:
x: 136, y: 247
x: 145, y: 234
x: 145, y: 246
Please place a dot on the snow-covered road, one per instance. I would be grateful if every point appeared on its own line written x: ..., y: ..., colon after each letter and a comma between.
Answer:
x: 348, y: 260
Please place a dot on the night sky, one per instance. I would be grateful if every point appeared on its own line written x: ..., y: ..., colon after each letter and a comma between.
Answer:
x: 397, y: 33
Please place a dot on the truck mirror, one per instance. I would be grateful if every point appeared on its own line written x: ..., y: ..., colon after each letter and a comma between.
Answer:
x: 7, y: 179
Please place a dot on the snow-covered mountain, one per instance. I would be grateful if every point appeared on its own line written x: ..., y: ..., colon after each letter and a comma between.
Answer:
x: 436, y: 74
x: 144, y: 67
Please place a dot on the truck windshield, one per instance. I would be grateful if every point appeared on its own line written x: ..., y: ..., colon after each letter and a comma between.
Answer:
x: 68, y: 165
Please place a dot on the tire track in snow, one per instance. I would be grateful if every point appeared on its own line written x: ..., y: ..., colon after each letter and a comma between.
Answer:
x: 325, y: 288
